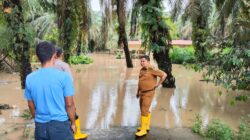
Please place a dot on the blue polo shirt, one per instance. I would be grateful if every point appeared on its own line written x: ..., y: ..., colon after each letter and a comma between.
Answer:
x: 47, y: 88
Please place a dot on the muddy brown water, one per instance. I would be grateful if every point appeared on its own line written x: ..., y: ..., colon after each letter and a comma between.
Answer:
x: 105, y: 98
x: 106, y: 89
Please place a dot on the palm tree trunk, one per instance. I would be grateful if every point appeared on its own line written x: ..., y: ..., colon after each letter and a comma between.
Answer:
x: 122, y: 32
x: 164, y: 63
x: 198, y: 37
x: 65, y: 26
x: 79, y: 44
x: 21, y: 46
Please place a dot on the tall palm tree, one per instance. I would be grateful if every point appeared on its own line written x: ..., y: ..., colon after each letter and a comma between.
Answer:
x: 197, y: 11
x: 84, y: 21
x: 106, y: 9
x: 21, y: 47
x: 155, y: 34
x: 122, y: 32
x: 65, y: 25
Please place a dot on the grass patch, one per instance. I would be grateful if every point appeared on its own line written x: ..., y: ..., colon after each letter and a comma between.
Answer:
x: 26, y: 114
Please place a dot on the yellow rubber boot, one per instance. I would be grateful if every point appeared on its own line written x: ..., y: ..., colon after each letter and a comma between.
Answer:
x: 143, y: 130
x: 148, y: 123
x: 78, y: 135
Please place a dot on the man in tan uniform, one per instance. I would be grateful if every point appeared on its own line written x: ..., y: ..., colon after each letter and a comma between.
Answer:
x: 146, y: 89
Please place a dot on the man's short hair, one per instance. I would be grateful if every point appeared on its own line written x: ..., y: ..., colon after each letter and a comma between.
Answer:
x: 59, y: 51
x: 146, y: 57
x: 45, y: 51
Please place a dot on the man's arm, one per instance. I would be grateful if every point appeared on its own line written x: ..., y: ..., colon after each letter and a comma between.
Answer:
x: 70, y: 107
x: 32, y: 108
x: 161, y: 80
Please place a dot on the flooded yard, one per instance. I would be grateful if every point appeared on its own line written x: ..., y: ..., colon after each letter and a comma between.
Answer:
x: 106, y: 98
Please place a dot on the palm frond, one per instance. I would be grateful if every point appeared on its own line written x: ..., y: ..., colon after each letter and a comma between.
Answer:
x: 44, y: 24
x: 206, y: 8
x: 227, y: 8
x: 192, y: 11
x: 177, y: 9
x: 134, y: 18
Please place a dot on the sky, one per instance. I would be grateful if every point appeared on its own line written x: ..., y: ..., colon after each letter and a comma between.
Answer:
x: 96, y: 6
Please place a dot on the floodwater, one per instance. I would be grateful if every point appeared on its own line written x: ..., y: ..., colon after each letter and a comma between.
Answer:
x: 105, y: 97
x: 106, y: 101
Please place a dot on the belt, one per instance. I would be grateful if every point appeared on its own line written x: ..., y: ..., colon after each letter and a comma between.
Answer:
x: 147, y: 90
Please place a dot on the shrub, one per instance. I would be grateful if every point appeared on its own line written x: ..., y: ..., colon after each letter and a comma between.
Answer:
x: 80, y: 60
x: 244, y: 130
x: 182, y: 55
x: 197, y: 127
x: 219, y: 131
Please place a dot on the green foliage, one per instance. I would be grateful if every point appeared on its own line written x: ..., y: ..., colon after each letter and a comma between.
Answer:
x: 119, y: 55
x: 5, y: 35
x: 180, y: 55
x: 52, y: 36
x: 241, y: 98
x: 21, y: 37
x: 26, y: 114
x: 80, y: 60
x: 216, y: 130
x: 244, y: 130
x: 197, y: 127
x: 219, y: 131
x: 229, y: 66
x: 173, y: 28
x: 155, y: 31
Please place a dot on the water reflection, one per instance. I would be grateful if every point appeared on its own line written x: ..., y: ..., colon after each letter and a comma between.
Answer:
x: 131, y: 104
x: 2, y: 119
x: 95, y: 105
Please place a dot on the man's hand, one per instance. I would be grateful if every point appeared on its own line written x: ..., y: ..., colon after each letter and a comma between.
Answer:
x: 73, y: 128
x: 137, y: 95
x: 156, y: 86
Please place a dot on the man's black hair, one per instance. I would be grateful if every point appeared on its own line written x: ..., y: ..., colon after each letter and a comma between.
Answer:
x: 59, y: 51
x: 146, y: 57
x: 45, y: 51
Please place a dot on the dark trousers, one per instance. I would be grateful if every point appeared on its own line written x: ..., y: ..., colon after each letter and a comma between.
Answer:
x: 53, y: 130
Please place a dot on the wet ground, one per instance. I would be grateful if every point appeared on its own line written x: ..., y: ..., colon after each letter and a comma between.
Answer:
x: 108, y: 109
x: 127, y: 133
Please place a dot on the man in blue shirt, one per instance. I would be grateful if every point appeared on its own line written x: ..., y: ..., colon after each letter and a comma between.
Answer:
x: 63, y: 66
x: 50, y: 98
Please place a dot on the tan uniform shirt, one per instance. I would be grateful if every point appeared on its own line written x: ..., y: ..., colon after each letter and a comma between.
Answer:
x: 60, y: 65
x: 148, y: 78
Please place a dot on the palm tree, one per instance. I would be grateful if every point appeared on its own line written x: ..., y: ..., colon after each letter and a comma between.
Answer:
x: 84, y: 21
x: 65, y: 25
x: 197, y: 11
x: 155, y: 34
x: 106, y: 8
x: 21, y: 47
x: 233, y: 67
x: 229, y: 30
x: 122, y: 32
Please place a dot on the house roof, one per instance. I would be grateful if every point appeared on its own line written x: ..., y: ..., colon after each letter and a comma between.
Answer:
x: 174, y: 42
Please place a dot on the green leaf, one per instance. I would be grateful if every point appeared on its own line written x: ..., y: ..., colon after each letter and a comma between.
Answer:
x: 232, y: 102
